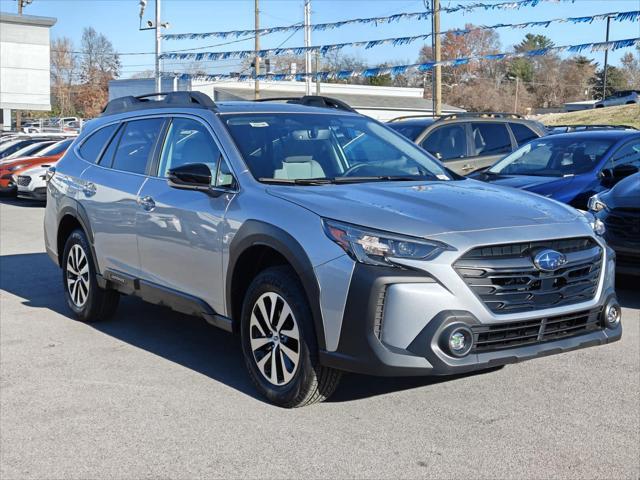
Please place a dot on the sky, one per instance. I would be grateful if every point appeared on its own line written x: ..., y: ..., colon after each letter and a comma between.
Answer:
x: 119, y: 21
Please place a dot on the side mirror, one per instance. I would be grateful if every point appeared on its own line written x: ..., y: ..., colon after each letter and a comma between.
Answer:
x: 193, y: 176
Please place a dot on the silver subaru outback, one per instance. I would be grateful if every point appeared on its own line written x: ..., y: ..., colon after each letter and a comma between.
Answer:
x: 327, y: 241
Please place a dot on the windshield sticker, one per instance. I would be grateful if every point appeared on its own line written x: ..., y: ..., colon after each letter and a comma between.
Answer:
x: 259, y: 124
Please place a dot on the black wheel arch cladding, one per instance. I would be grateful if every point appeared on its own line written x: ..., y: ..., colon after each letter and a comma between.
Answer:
x: 256, y: 233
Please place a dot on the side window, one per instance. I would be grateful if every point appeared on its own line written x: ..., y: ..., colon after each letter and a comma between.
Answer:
x: 447, y: 143
x: 490, y: 138
x: 522, y: 133
x: 136, y: 145
x: 107, y: 156
x: 629, y: 154
x: 188, y: 141
x: 92, y: 147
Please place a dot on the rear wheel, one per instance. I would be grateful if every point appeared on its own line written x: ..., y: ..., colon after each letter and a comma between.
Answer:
x: 85, y: 298
x: 279, y: 343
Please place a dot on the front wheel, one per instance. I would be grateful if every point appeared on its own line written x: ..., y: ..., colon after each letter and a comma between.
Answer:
x: 85, y: 298
x: 279, y: 343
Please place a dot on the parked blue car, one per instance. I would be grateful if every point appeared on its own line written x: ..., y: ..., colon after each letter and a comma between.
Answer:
x: 569, y: 167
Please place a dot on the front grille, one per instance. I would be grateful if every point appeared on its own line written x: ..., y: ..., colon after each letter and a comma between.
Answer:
x: 623, y: 224
x: 507, y: 281
x: 23, y: 181
x: 488, y: 338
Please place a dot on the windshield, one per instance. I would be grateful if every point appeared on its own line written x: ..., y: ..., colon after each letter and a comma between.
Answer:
x: 554, y: 157
x: 327, y: 148
x: 56, y: 148
x: 409, y: 130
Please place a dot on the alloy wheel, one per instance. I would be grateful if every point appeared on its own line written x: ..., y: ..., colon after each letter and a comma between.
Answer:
x: 78, y: 276
x: 274, y: 338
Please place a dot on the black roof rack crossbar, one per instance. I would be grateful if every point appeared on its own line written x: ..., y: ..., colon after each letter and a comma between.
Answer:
x: 312, y: 101
x: 167, y: 99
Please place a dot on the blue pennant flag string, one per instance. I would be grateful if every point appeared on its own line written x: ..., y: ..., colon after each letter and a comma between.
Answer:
x: 420, y: 67
x: 632, y: 16
x: 371, y: 20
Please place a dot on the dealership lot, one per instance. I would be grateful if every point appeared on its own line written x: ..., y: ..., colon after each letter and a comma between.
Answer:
x: 153, y: 393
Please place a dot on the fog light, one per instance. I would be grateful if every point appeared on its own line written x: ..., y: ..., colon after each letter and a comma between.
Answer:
x: 458, y: 340
x: 612, y: 315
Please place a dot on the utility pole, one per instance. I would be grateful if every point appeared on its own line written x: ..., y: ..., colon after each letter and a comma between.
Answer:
x: 157, y: 26
x: 317, y: 71
x: 158, y: 49
x: 307, y: 43
x: 515, y: 107
x: 437, y: 72
x: 606, y: 61
x: 256, y: 82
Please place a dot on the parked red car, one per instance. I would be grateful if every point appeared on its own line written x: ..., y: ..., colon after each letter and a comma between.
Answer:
x: 13, y: 167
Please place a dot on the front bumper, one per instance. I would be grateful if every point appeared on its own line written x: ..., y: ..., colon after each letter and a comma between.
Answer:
x: 393, y: 319
x: 39, y: 193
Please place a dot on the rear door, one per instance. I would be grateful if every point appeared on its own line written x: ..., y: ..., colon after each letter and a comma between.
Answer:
x: 449, y: 144
x: 110, y: 189
x: 490, y: 141
x: 180, y: 232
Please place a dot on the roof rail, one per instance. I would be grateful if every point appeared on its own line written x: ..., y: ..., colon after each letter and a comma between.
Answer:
x: 312, y: 101
x: 591, y: 127
x: 409, y: 117
x: 453, y: 116
x: 167, y: 99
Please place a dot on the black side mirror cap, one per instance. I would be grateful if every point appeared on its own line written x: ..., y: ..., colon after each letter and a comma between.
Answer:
x: 193, y: 176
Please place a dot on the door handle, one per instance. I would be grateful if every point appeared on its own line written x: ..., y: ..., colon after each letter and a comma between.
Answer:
x: 147, y: 203
x: 467, y: 167
x: 89, y: 189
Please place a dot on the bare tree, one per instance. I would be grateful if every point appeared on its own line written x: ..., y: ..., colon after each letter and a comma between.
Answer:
x: 64, y: 68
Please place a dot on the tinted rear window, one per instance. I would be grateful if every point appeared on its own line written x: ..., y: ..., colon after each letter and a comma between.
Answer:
x: 491, y: 138
x: 92, y: 147
x: 136, y: 145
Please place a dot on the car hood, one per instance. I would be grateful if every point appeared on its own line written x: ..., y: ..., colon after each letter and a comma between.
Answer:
x: 537, y: 184
x: 424, y: 209
x: 626, y: 193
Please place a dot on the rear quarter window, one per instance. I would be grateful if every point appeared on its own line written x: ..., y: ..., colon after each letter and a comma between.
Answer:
x: 522, y: 133
x: 92, y: 147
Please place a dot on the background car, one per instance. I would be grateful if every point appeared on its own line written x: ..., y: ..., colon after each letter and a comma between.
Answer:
x: 621, y: 97
x: 30, y: 150
x: 49, y: 155
x: 465, y: 142
x: 11, y: 146
x: 619, y: 210
x: 32, y: 182
x: 569, y: 167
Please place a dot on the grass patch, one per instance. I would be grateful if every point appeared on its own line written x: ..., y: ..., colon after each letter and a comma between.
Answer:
x: 622, y: 115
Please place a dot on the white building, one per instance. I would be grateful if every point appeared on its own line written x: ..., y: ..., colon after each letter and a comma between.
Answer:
x: 381, y: 103
x: 24, y: 64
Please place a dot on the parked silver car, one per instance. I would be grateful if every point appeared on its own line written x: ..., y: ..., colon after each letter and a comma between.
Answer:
x: 622, y: 97
x: 325, y: 239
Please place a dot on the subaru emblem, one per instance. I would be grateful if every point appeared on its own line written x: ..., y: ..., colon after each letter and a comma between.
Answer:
x: 549, y: 260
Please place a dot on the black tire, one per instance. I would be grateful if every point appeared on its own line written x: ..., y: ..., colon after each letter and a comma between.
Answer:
x: 99, y: 304
x: 310, y: 382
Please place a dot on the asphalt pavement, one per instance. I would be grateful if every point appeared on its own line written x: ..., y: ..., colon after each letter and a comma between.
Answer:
x: 152, y: 393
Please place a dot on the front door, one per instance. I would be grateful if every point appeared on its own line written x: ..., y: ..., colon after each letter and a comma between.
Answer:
x: 180, y: 232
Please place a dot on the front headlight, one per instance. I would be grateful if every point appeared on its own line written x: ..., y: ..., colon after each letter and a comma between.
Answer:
x: 14, y: 168
x: 596, y: 204
x: 596, y: 224
x: 375, y: 247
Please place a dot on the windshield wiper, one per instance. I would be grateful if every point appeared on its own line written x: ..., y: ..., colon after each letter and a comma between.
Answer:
x: 298, y: 181
x: 385, y: 178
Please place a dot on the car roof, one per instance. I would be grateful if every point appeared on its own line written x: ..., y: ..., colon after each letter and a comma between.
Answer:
x: 418, y: 122
x: 597, y: 134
